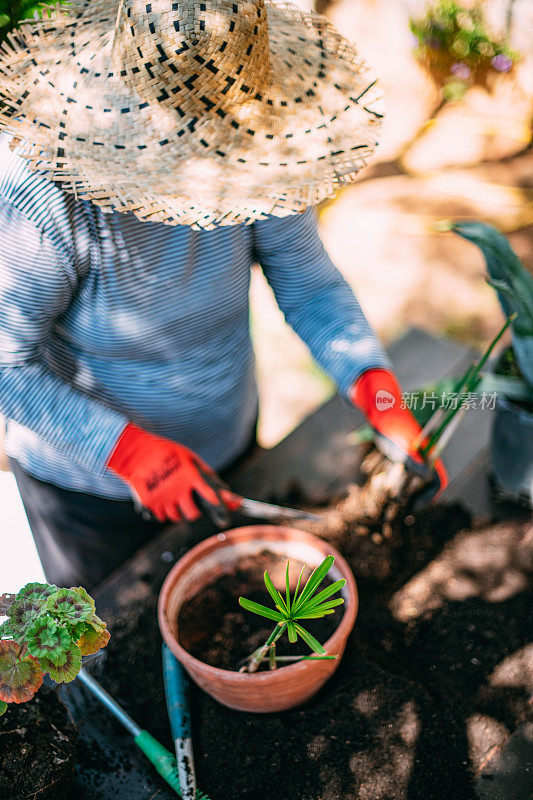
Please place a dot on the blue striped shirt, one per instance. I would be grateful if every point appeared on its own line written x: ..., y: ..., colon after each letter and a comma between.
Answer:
x: 105, y: 319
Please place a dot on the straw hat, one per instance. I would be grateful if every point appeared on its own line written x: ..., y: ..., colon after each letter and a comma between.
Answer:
x: 191, y: 112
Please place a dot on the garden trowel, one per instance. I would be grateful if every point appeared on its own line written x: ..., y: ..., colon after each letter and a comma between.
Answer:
x: 162, y: 760
x: 258, y: 509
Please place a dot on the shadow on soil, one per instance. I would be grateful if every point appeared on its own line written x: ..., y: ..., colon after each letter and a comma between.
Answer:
x: 432, y: 677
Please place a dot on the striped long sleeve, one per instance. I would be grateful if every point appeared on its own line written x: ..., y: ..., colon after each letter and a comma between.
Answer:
x: 37, y: 284
x: 105, y: 318
x: 315, y: 299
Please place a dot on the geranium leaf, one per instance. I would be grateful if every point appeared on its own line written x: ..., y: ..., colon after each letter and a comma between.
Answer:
x: 67, y: 671
x: 68, y: 606
x: 310, y: 640
x: 95, y: 621
x: 27, y: 607
x: 20, y: 677
x: 85, y: 596
x: 78, y: 631
x: 3, y: 707
x: 5, y: 630
x: 263, y: 611
x: 48, y: 639
x: 92, y: 641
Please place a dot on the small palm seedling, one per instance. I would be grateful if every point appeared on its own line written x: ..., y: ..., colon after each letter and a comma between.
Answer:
x: 289, y: 612
x: 47, y: 630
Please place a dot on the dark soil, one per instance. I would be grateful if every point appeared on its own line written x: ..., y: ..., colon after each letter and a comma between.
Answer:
x: 216, y: 630
x: 37, y: 749
x: 414, y: 709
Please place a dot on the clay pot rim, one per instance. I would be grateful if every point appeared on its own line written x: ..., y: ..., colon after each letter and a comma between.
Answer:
x: 269, y: 532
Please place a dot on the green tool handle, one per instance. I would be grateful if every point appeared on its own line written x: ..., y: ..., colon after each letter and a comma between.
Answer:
x: 163, y: 761
x: 159, y: 756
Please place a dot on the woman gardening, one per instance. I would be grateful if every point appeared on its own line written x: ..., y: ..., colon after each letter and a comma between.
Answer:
x: 150, y: 154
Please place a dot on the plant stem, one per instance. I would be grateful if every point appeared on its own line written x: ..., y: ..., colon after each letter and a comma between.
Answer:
x: 258, y: 655
x: 468, y: 383
x: 272, y: 657
x: 306, y: 658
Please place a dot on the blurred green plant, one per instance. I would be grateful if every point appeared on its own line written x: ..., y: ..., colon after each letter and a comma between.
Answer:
x: 12, y: 12
x: 458, y: 50
x: 512, y: 282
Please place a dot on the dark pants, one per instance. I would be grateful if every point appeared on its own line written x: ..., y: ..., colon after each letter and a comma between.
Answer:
x: 82, y: 538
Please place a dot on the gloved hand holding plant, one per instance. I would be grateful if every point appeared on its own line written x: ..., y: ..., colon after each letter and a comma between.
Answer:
x: 377, y: 393
x: 400, y: 436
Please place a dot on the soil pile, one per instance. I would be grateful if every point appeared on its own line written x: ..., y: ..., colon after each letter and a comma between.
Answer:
x: 37, y: 749
x: 433, y: 681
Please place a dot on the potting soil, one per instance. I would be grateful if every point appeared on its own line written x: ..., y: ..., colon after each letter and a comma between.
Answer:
x: 37, y: 749
x: 215, y: 629
x: 432, y: 681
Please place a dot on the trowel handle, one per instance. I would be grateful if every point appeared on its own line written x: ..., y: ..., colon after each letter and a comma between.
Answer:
x: 177, y: 694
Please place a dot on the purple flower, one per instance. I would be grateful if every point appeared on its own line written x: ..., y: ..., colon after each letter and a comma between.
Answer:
x: 501, y: 63
x: 434, y: 43
x: 461, y: 70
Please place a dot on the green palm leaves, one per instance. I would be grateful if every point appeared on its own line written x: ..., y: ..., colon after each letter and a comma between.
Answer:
x: 305, y: 604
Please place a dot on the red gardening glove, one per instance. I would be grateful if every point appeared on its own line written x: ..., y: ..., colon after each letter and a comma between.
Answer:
x: 378, y: 395
x: 168, y: 479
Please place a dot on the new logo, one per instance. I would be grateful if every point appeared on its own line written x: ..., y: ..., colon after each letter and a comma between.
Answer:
x: 384, y: 400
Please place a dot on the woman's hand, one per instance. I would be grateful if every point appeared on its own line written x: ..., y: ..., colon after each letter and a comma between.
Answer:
x: 167, y: 478
x: 378, y: 395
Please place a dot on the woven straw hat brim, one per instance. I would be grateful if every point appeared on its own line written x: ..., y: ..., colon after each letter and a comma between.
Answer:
x: 74, y: 116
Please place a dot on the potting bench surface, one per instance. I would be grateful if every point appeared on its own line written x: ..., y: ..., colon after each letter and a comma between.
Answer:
x: 394, y: 725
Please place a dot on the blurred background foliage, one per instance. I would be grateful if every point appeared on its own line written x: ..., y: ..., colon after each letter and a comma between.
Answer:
x: 458, y: 49
x: 14, y: 11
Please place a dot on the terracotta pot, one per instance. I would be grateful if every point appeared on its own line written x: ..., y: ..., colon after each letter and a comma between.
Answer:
x: 287, y: 686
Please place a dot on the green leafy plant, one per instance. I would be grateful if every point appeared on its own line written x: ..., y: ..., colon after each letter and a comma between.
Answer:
x: 47, y: 630
x: 457, y: 48
x: 289, y: 612
x: 12, y: 12
x: 513, y: 283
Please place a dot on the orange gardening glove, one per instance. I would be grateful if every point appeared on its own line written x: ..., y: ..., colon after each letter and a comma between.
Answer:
x: 378, y: 395
x: 166, y: 478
